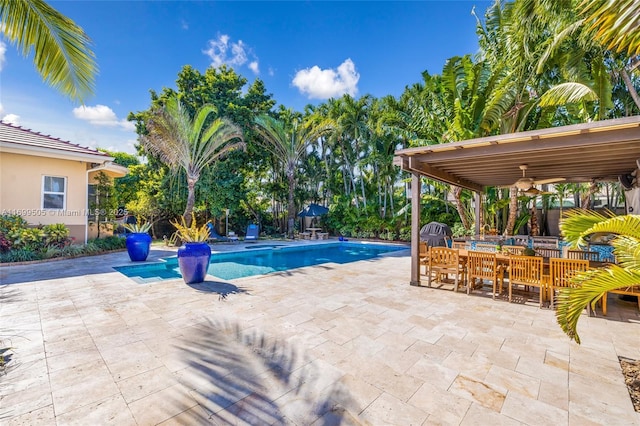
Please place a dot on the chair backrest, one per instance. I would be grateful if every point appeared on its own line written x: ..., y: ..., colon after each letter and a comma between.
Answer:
x: 550, y: 242
x: 525, y: 270
x: 485, y: 247
x: 561, y: 271
x: 482, y: 264
x: 583, y: 255
x: 424, y: 250
x: 252, y: 232
x: 459, y: 245
x: 442, y: 256
x: 548, y: 252
x: 514, y: 249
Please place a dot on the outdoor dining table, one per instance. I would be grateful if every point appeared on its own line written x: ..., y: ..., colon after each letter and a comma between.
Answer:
x: 313, y: 232
x: 503, y: 259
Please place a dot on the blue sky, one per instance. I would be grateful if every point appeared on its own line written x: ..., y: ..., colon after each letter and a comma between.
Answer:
x: 305, y: 52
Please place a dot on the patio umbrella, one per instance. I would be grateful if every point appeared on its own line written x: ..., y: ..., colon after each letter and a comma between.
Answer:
x: 313, y: 210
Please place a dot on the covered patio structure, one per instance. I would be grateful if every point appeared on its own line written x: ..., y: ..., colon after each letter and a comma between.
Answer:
x: 599, y: 151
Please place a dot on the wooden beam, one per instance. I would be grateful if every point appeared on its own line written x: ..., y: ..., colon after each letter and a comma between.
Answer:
x: 426, y: 170
x: 415, y: 229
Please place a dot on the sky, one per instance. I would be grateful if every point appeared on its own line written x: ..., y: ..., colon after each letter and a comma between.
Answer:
x: 305, y: 52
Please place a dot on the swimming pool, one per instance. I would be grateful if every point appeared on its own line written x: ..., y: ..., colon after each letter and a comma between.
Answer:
x: 259, y: 261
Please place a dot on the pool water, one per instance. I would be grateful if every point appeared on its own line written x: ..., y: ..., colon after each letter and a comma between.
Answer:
x: 259, y: 261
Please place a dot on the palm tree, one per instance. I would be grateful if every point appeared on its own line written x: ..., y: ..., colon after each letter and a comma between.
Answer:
x: 592, y: 285
x: 187, y: 143
x: 617, y: 24
x: 288, y: 141
x: 61, y: 48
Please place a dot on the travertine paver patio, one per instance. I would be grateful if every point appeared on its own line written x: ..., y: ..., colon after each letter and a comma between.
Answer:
x: 330, y: 344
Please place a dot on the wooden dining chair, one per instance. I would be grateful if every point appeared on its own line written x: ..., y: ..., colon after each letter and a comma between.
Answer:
x: 459, y: 245
x: 482, y: 265
x: 514, y: 249
x: 423, y: 255
x: 490, y: 247
x: 526, y: 271
x: 583, y: 255
x: 561, y: 271
x: 547, y: 252
x: 444, y: 261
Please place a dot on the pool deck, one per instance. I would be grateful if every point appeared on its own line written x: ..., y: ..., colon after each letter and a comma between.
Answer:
x: 327, y: 345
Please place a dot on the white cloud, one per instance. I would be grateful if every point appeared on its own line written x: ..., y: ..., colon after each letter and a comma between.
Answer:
x: 184, y: 24
x: 317, y: 83
x: 3, y: 50
x: 12, y: 119
x: 223, y: 51
x: 101, y: 115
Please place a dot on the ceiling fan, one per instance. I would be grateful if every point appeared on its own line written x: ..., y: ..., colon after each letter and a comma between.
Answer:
x: 526, y: 183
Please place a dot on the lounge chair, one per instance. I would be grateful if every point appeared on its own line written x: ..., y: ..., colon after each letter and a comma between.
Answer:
x: 213, y: 235
x: 252, y: 232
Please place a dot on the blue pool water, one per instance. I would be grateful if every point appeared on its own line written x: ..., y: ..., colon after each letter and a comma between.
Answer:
x: 259, y: 261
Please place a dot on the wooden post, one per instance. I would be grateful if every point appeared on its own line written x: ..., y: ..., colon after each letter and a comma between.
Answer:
x: 415, y: 229
x: 478, y: 201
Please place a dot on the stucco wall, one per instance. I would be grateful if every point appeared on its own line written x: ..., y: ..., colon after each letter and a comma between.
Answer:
x: 21, y: 180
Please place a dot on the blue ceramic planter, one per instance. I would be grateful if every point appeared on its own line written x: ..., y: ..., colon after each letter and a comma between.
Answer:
x: 193, y: 259
x: 138, y: 244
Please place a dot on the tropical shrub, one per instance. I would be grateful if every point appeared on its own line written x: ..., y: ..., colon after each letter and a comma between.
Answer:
x: 56, y: 235
x: 5, y: 244
x: 19, y: 255
x: 10, y: 222
x: 110, y: 243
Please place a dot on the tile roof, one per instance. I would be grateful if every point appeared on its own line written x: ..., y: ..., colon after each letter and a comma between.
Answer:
x: 20, y: 136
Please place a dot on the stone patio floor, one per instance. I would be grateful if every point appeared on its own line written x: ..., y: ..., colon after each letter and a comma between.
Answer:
x: 324, y: 345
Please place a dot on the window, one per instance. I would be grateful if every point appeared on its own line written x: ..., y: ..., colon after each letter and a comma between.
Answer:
x: 54, y: 192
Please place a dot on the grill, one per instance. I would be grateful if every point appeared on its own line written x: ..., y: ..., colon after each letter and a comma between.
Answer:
x: 435, y: 234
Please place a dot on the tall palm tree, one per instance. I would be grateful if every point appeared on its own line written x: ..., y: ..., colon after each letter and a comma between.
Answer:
x: 187, y: 143
x: 61, y: 48
x: 592, y: 285
x: 354, y: 127
x: 288, y: 141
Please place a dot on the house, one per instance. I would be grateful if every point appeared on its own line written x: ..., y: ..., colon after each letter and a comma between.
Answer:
x: 46, y: 180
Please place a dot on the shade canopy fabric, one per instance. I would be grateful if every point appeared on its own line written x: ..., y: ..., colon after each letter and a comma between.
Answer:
x: 313, y: 210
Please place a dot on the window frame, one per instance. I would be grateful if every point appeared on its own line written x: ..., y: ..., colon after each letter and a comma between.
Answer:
x: 63, y: 193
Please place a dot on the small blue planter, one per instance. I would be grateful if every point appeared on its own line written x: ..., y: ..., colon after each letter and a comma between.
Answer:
x: 193, y: 259
x: 138, y: 244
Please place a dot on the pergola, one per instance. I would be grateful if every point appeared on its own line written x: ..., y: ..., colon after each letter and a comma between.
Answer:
x: 599, y: 151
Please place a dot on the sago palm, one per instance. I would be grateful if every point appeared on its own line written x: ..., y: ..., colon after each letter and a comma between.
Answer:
x: 187, y: 143
x: 61, y: 52
x: 592, y: 285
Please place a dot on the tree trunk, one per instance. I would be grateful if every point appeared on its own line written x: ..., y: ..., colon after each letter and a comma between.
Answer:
x: 191, y: 201
x: 291, y: 208
x: 586, y: 197
x: 457, y: 195
x: 513, y: 211
x: 535, y: 229
x: 630, y: 87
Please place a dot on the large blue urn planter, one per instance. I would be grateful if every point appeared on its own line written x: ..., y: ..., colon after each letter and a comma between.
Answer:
x: 138, y: 244
x: 193, y: 259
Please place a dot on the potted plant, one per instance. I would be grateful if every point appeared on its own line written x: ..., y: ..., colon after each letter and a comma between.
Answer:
x: 195, y: 253
x: 138, y: 241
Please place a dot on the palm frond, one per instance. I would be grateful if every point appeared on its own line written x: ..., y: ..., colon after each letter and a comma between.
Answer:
x: 61, y: 49
x: 590, y: 286
x: 578, y: 224
x: 566, y: 93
